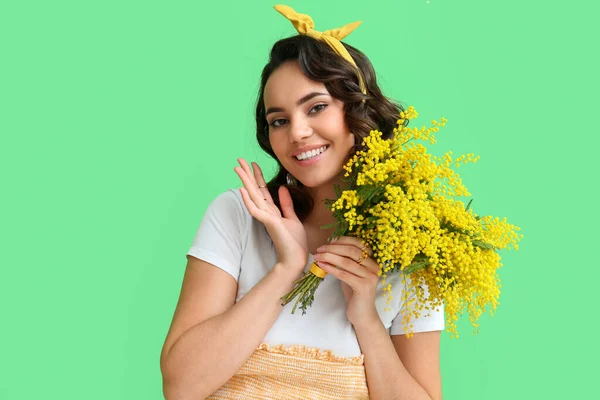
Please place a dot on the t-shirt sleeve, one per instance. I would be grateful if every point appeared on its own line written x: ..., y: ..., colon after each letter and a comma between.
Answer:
x: 428, y: 320
x: 218, y: 239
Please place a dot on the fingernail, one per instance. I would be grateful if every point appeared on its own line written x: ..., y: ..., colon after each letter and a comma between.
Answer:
x: 320, y: 248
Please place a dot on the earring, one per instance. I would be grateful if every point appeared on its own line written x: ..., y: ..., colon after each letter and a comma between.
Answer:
x: 291, y: 180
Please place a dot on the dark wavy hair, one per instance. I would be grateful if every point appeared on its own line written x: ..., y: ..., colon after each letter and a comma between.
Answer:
x: 320, y: 63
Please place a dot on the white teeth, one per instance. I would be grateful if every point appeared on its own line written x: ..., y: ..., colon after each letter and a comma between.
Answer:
x: 310, y: 154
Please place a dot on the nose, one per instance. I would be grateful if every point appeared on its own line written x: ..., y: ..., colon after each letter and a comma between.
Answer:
x: 299, y: 130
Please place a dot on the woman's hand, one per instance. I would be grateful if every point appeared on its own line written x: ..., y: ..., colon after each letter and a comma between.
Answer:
x: 287, y: 232
x: 341, y: 259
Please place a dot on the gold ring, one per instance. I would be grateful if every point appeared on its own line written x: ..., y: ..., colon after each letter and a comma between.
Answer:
x: 361, y: 259
x: 261, y: 186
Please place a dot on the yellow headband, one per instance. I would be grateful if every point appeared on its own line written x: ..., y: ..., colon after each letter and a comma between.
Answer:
x: 304, y: 25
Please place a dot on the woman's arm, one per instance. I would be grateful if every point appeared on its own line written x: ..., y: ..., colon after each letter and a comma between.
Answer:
x: 210, y: 337
x: 402, y: 369
x: 387, y: 376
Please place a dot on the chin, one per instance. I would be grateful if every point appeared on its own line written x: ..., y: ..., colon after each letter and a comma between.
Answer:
x: 316, y: 181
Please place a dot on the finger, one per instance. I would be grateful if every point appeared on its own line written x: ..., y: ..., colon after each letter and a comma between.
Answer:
x: 248, y: 170
x: 252, y: 209
x: 262, y: 184
x: 353, y: 241
x: 341, y: 250
x: 287, y: 206
x: 353, y: 253
x: 249, y: 183
x: 245, y: 182
x: 344, y: 263
x: 352, y: 280
x: 371, y: 265
x: 260, y: 180
x: 244, y: 164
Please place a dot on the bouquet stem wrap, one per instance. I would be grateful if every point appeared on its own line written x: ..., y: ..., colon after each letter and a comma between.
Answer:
x: 305, y: 288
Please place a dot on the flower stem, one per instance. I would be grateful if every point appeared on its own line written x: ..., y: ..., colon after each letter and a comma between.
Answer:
x: 304, y: 289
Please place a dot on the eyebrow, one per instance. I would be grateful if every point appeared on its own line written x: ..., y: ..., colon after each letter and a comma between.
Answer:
x: 299, y: 102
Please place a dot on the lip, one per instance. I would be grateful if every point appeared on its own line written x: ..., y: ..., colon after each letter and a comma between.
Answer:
x: 313, y: 160
x: 307, y: 148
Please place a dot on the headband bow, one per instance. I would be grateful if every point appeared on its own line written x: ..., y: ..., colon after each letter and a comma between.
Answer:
x: 305, y: 26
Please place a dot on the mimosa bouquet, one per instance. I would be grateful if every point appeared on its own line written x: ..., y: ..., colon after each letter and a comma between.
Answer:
x: 401, y: 202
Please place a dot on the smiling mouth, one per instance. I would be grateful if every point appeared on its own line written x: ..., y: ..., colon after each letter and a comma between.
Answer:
x: 312, y: 157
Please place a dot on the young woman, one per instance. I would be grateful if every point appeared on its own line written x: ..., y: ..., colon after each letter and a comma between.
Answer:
x: 230, y: 336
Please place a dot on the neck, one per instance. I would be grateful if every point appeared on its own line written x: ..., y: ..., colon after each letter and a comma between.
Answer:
x: 320, y: 214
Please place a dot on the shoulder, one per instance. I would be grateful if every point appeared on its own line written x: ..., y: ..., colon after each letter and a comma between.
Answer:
x: 229, y: 202
x: 229, y: 198
x: 227, y: 211
x: 394, y: 310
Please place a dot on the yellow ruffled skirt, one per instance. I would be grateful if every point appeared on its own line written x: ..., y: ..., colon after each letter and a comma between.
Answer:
x: 296, y: 372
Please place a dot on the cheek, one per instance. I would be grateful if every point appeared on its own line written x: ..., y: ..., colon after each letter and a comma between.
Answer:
x: 337, y: 127
x: 344, y: 136
x: 348, y: 142
x: 278, y: 148
x: 275, y: 145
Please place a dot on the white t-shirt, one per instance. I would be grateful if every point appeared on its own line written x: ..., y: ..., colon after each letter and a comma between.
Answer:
x: 231, y: 239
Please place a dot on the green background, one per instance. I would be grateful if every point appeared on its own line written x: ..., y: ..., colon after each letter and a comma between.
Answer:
x: 121, y: 120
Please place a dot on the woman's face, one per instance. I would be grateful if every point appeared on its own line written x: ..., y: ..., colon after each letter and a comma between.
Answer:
x: 303, y: 116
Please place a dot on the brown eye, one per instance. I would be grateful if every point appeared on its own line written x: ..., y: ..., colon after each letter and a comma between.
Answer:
x: 317, y: 106
x: 275, y: 124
